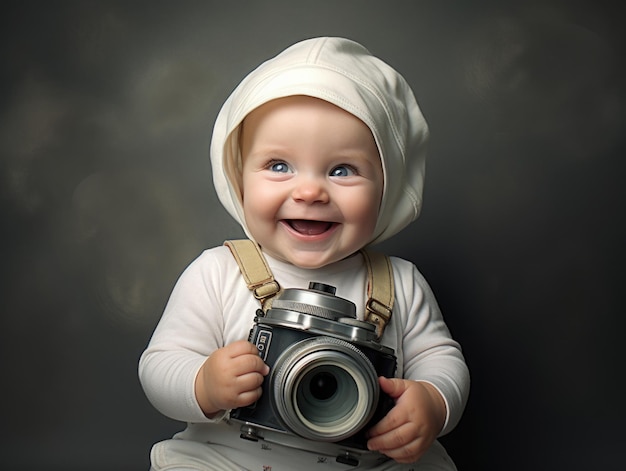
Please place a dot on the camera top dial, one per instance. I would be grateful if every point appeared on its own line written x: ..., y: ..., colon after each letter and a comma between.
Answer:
x: 317, y: 309
x: 319, y: 300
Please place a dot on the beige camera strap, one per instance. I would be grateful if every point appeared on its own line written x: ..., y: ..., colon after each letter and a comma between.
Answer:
x: 380, y: 291
x: 255, y: 270
x: 260, y: 280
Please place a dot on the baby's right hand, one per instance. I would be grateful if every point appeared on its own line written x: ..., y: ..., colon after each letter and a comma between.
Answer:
x: 231, y: 377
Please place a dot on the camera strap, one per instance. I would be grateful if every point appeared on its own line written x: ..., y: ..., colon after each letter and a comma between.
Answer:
x: 255, y: 270
x: 380, y: 291
x: 260, y: 280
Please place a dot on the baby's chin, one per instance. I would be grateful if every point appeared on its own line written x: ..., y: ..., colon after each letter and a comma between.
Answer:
x: 312, y: 260
x: 309, y: 261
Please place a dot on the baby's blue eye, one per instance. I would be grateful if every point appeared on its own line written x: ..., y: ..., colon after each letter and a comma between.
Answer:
x: 280, y: 167
x: 342, y: 171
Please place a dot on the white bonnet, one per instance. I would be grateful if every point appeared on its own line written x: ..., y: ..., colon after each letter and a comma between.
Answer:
x: 345, y: 74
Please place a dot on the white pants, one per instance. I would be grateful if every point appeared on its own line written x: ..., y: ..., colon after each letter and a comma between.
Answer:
x: 186, y: 455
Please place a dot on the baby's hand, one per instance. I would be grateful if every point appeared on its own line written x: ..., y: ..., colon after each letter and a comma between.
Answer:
x: 413, y: 424
x: 231, y: 377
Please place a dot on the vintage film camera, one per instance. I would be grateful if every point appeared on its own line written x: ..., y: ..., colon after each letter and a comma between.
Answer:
x: 324, y: 368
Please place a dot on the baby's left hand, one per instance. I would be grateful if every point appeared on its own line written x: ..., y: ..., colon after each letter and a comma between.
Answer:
x: 413, y: 424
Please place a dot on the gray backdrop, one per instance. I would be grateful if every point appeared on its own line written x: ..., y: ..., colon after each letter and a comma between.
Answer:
x: 106, y: 195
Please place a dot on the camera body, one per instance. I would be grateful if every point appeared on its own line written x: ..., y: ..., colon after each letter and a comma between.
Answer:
x: 324, y: 369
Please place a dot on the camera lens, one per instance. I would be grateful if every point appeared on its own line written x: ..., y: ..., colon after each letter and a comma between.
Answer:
x: 324, y: 389
x: 325, y: 395
x: 323, y: 386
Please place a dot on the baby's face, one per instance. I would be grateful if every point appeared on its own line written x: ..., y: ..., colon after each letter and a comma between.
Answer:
x: 312, y: 181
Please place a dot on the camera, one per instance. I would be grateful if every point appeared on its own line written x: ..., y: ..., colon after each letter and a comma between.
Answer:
x: 324, y: 368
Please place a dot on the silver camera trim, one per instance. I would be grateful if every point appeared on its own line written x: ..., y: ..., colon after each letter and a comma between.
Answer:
x: 345, y: 327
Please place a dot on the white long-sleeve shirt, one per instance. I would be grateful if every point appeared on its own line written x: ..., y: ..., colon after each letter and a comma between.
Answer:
x: 211, y: 307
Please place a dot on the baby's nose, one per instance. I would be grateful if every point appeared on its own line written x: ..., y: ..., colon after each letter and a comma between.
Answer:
x: 310, y: 190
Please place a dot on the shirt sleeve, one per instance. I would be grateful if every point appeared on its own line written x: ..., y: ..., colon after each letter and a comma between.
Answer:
x: 429, y: 352
x: 190, y: 329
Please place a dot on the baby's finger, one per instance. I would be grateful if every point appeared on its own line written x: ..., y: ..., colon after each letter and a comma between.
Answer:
x: 400, y: 444
x: 246, y: 398
x: 394, y: 387
x: 408, y: 453
x: 245, y: 364
x: 249, y: 382
x: 391, y: 421
x: 241, y: 347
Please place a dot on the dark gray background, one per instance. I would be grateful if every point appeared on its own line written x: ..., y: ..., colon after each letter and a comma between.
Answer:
x: 106, y: 195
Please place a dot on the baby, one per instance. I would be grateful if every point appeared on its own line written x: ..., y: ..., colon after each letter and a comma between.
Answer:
x: 318, y: 153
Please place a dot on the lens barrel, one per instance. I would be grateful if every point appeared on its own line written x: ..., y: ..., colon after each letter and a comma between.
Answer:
x: 324, y: 388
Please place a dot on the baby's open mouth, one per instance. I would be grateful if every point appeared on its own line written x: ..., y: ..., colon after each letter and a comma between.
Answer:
x: 308, y: 227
